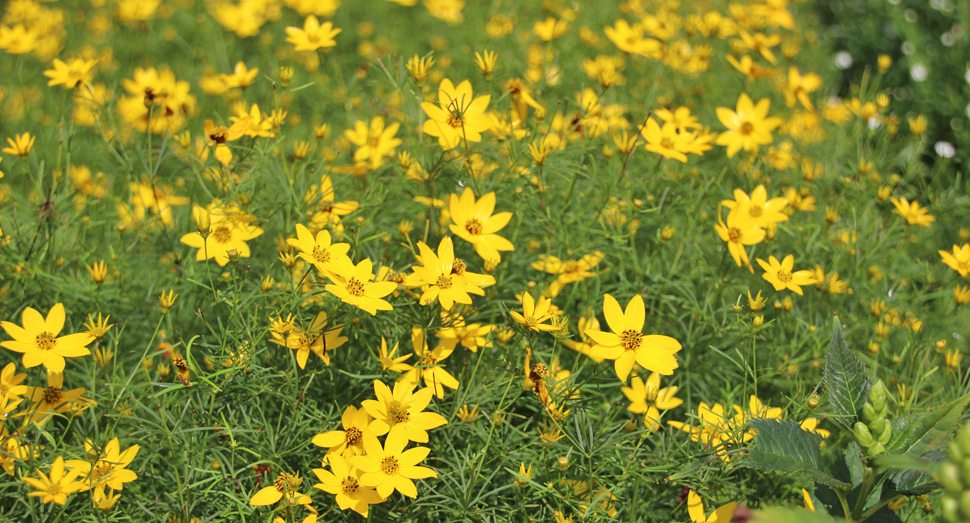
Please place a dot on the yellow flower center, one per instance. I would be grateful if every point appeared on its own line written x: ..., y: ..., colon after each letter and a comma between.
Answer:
x: 734, y: 234
x: 540, y: 370
x: 455, y: 121
x: 444, y: 281
x: 4, y: 389
x: 964, y: 265
x: 756, y: 211
x: 429, y: 359
x: 531, y: 322
x: 349, y: 485
x: 474, y: 226
x: 280, y: 482
x: 321, y: 254
x: 784, y: 276
x: 630, y: 339
x: 399, y: 413
x: 54, y: 488
x: 101, y: 470
x: 355, y: 287
x: 222, y: 234
x: 389, y: 465
x: 45, y: 341
x: 458, y: 267
x: 667, y: 142
x: 52, y: 395
x: 387, y: 362
x: 747, y: 128
x: 353, y: 435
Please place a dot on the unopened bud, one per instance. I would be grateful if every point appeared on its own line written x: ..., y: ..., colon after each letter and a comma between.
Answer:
x: 875, y: 450
x: 878, y: 426
x: 813, y: 403
x: 758, y: 321
x: 233, y: 255
x: 862, y: 435
x: 868, y: 413
x: 563, y: 463
x: 203, y: 221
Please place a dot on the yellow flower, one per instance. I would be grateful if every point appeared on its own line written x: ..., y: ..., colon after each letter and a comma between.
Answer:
x: 780, y: 275
x: 799, y: 86
x: 953, y: 357
x: 219, y: 135
x: 344, y: 483
x: 373, y: 142
x: 475, y: 223
x: 353, y: 285
x: 913, y: 213
x: 57, y: 486
x: 695, y: 507
x: 467, y: 415
x: 534, y: 315
x: 627, y: 345
x: 525, y: 475
x: 315, y: 338
x: 666, y: 141
x: 37, y: 340
x: 486, y: 62
x: 419, y: 67
x: 53, y: 398
x: 99, y: 272
x: 167, y: 300
x: 748, y: 127
x: 110, y: 470
x: 630, y: 39
x: 438, y: 273
x: 21, y: 147
x: 313, y: 36
x: 241, y: 76
x: 285, y: 485
x: 917, y: 125
x: 760, y: 43
x: 434, y: 375
x: 758, y: 209
x: 390, y: 467
x: 327, y: 257
x: 70, y: 75
x: 959, y: 260
x: 104, y: 501
x: 459, y: 116
x: 648, y: 398
x: 471, y: 336
x: 349, y: 442
x: 389, y: 362
x: 550, y: 29
x: 737, y: 236
x: 751, y: 69
x: 961, y: 294
x: 402, y: 411
x: 231, y: 229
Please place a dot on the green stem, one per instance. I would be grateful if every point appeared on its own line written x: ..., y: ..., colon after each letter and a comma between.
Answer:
x: 869, y: 477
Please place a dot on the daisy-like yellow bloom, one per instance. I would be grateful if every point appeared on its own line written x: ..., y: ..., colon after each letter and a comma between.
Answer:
x: 313, y: 36
x: 475, y: 223
x: 799, y: 86
x: 327, y: 257
x: 961, y: 294
x: 104, y: 501
x: 11, y: 389
x: 737, y: 237
x: 349, y: 442
x: 959, y: 259
x: 630, y: 39
x: 468, y: 335
x: 756, y: 210
x: 648, y: 398
x: 344, y: 483
x: 373, y: 142
x: 218, y: 136
x: 913, y: 213
x: 328, y: 210
x: 98, y: 272
x: 486, y: 62
x: 37, y: 340
x: 780, y: 275
x: 458, y: 116
x: 70, y: 75
x: 390, y: 467
x: 402, y: 411
x: 568, y: 271
x: 389, y: 362
x: 748, y: 127
x: 47, y: 401
x: 21, y: 147
x: 550, y: 28
x: 715, y: 430
x: 285, y: 486
x: 534, y: 315
x: 627, y: 345
x: 586, y: 345
x: 525, y: 475
x: 315, y: 339
x: 759, y: 43
x: 666, y: 141
x: 57, y: 486
x: 110, y: 470
x: 751, y: 69
x: 438, y: 273
x: 354, y: 285
x: 434, y: 375
x: 695, y: 507
x: 241, y: 76
x: 230, y: 230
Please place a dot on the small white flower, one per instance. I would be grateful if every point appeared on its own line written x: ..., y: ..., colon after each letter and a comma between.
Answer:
x: 919, y: 72
x: 843, y: 60
x: 945, y: 149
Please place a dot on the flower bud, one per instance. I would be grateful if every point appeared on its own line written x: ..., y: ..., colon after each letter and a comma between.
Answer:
x: 878, y: 426
x: 862, y: 435
x: 951, y: 509
x: 563, y: 463
x: 868, y: 413
x: 878, y: 392
x: 203, y: 221
x: 758, y: 321
x: 233, y: 255
x: 875, y: 450
x: 813, y: 403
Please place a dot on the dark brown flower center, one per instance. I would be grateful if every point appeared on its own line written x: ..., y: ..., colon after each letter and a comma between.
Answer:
x: 321, y: 254
x: 458, y: 267
x: 355, y: 287
x: 734, y: 234
x: 399, y: 413
x: 52, y: 394
x: 45, y: 341
x: 222, y: 234
x: 444, y: 281
x: 389, y: 465
x: 630, y: 339
x: 474, y: 226
x: 349, y: 485
x: 354, y: 435
x: 784, y: 276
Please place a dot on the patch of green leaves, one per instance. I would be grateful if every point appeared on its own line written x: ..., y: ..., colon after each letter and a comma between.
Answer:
x: 845, y: 378
x: 784, y: 446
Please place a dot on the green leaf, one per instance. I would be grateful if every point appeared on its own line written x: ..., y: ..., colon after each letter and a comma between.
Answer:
x: 853, y: 461
x: 785, y: 447
x: 918, y: 433
x: 845, y: 378
x: 790, y: 515
x: 906, y: 462
x: 911, y: 475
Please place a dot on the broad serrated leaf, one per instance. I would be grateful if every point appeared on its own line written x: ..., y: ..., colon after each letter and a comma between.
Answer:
x: 784, y: 446
x: 911, y: 475
x: 845, y: 378
x: 918, y: 433
x: 853, y: 461
x: 790, y: 515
